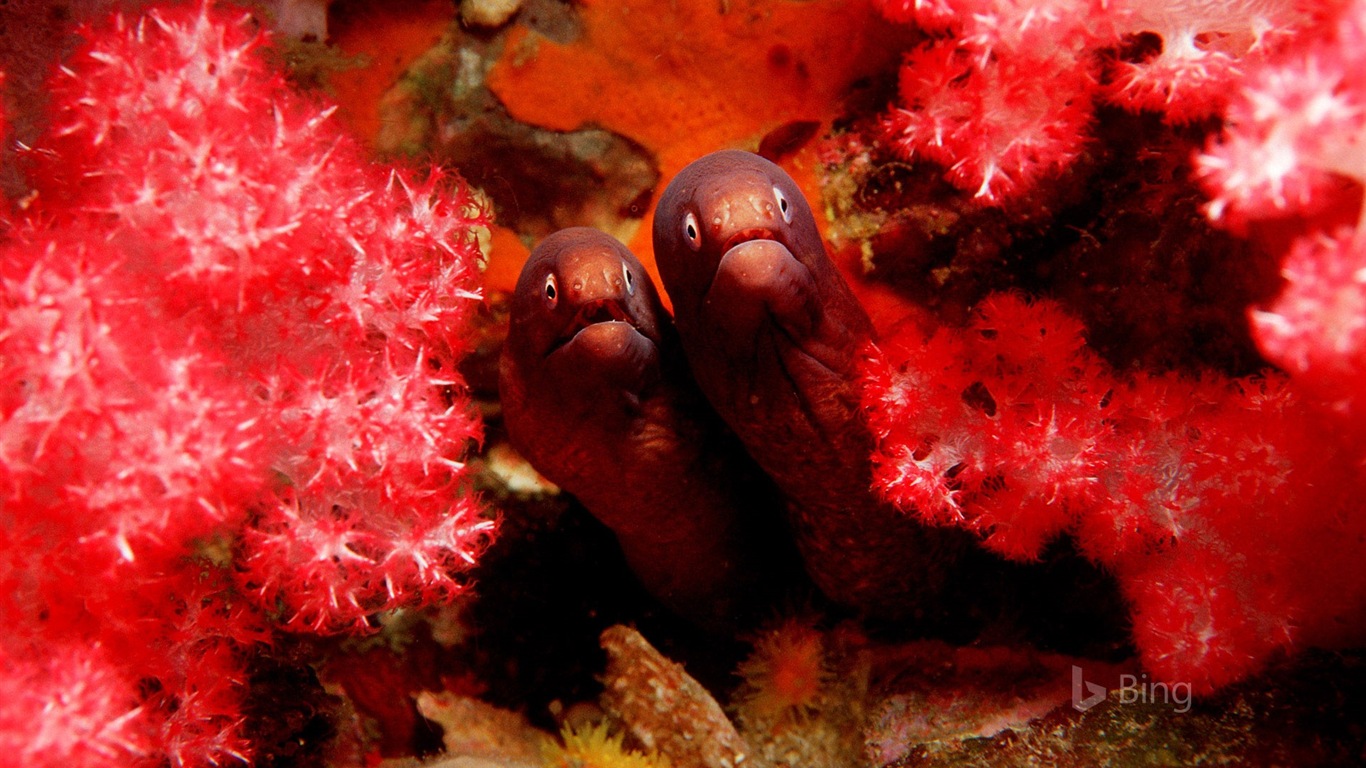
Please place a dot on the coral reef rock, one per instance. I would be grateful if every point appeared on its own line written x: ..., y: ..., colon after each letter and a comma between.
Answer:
x: 481, y: 734
x: 488, y: 13
x: 664, y: 708
x: 589, y: 177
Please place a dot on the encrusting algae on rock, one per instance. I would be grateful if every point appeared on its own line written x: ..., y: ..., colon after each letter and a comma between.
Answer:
x: 663, y: 707
x: 687, y: 77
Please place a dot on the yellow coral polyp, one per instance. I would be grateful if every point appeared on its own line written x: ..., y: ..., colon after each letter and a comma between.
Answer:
x: 597, y: 747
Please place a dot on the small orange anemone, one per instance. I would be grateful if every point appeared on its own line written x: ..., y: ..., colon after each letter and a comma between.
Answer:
x: 786, y: 676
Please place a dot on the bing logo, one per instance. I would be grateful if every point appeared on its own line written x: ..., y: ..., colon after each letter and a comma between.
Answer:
x: 1085, y: 695
x: 1132, y: 690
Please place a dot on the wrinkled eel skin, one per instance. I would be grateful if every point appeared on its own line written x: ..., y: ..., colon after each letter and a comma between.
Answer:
x: 773, y: 334
x: 597, y: 396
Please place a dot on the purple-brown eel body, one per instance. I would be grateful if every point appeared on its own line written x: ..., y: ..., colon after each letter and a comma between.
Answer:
x: 773, y: 334
x: 597, y: 396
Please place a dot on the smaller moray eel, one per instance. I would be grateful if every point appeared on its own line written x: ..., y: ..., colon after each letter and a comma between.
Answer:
x: 597, y: 396
x: 773, y: 335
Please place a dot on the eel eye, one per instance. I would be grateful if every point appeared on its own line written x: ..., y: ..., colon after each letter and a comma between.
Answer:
x: 691, y: 232
x: 630, y: 279
x: 552, y: 291
x: 783, y: 205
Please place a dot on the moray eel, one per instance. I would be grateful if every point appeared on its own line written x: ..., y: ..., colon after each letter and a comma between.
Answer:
x: 596, y: 395
x: 773, y: 334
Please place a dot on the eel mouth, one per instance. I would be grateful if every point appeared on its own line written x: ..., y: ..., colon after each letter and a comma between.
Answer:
x: 749, y: 235
x: 739, y: 238
x: 593, y: 313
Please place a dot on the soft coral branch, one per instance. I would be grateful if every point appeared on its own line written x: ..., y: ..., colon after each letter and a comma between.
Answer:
x: 229, y: 395
x: 1297, y: 123
x: 1204, y: 47
x: 1005, y: 98
x: 996, y: 131
x: 69, y: 706
x: 1002, y: 103
x: 1292, y: 161
x: 1204, y: 497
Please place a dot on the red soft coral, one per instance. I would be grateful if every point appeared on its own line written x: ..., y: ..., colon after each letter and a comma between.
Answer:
x: 1004, y: 103
x: 1203, y: 497
x: 1294, y: 155
x: 1228, y: 509
x: 930, y: 15
x: 1204, y: 48
x: 1316, y: 328
x: 972, y: 433
x: 69, y: 706
x: 996, y: 129
x: 1006, y: 98
x: 228, y: 394
x: 1294, y: 130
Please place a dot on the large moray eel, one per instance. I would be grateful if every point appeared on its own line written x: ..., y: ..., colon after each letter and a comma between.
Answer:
x: 597, y: 395
x: 773, y: 335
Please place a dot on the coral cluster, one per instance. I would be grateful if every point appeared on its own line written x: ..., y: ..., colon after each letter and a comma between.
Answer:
x: 1289, y: 168
x: 1228, y: 508
x: 228, y: 397
x: 1004, y: 93
x: 1224, y: 508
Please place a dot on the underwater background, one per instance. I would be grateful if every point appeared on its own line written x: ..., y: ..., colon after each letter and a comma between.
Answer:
x: 261, y: 504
